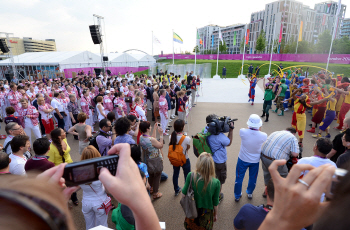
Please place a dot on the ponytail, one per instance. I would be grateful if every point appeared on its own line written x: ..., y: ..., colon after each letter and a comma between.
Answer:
x: 173, y: 139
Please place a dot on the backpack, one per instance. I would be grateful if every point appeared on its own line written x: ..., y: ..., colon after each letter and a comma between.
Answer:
x: 176, y: 156
x: 201, y: 144
x: 93, y: 141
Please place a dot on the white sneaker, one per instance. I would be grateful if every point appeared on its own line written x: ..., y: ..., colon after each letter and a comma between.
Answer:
x: 286, y: 109
x: 170, y: 120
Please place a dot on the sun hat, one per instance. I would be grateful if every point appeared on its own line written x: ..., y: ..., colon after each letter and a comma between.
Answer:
x: 254, y: 121
x: 107, y: 91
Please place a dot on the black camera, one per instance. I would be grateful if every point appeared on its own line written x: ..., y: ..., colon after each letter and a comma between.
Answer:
x: 220, y: 125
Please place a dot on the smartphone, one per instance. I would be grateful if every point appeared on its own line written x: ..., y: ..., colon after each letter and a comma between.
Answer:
x: 86, y: 171
x: 337, y: 178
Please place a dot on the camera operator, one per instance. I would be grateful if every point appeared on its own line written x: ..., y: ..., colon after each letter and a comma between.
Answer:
x: 218, y: 144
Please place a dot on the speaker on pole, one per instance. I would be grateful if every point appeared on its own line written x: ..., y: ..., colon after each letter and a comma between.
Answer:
x: 3, y: 46
x: 95, y: 34
x: 105, y: 58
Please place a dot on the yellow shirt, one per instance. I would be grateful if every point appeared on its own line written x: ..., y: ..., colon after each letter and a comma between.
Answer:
x: 347, y: 98
x: 56, y: 158
x: 185, y: 77
x: 331, y: 104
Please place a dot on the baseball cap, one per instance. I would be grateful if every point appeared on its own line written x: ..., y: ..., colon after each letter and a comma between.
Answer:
x: 254, y: 121
x: 107, y: 91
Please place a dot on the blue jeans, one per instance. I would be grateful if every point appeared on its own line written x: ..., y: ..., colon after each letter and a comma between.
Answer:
x: 163, y: 177
x: 186, y: 167
x: 60, y: 122
x: 285, y: 104
x: 241, y: 168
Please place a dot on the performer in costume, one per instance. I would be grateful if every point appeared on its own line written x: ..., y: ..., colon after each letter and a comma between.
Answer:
x: 253, y: 81
x: 344, y: 108
x: 268, y: 97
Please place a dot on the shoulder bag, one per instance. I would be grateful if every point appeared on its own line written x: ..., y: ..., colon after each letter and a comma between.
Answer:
x: 154, y: 165
x: 107, y: 204
x: 188, y: 203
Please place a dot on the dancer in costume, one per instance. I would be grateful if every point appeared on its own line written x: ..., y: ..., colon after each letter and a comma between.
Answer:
x: 253, y: 81
x: 280, y: 96
x: 330, y: 114
x: 345, y: 106
x: 268, y: 97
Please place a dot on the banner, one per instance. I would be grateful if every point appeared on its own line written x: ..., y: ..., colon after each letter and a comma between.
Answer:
x: 212, y: 40
x: 247, y: 37
x: 324, y: 19
x: 204, y: 41
x: 328, y: 8
x: 220, y: 35
x: 280, y: 38
x: 278, y: 50
x: 338, y: 8
x: 301, y: 32
x: 234, y: 39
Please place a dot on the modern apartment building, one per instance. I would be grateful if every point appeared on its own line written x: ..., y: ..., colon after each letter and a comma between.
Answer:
x: 345, y: 28
x: 27, y: 44
x: 210, y: 36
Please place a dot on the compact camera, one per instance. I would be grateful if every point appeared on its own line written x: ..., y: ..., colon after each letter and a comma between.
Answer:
x: 86, y: 171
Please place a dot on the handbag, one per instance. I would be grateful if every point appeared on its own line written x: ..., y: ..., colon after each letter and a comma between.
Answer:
x: 128, y: 99
x: 156, y: 113
x: 154, y: 165
x: 107, y: 204
x: 188, y: 203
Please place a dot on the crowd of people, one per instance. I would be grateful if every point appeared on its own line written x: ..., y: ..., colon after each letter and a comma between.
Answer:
x: 118, y: 108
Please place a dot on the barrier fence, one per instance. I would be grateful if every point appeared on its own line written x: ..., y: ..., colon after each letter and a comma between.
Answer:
x: 319, y: 58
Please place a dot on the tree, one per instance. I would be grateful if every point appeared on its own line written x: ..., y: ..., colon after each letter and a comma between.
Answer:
x: 196, y: 49
x: 290, y: 47
x: 261, y: 42
x: 223, y: 47
x: 324, y: 42
x: 241, y: 47
x: 341, y: 46
x: 304, y: 47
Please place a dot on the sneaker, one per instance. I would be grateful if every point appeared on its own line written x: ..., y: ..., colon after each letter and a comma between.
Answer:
x: 317, y: 135
x: 312, y: 130
x: 44, y: 135
x: 93, y: 132
x: 250, y: 196
x: 149, y: 109
x: 221, y: 197
x: 328, y: 136
x: 165, y: 134
x: 169, y: 126
x: 252, y: 103
x: 264, y: 195
x: 286, y: 109
x: 237, y: 199
x: 178, y: 192
x: 167, y: 129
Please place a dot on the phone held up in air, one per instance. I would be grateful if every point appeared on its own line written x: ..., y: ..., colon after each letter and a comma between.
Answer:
x: 86, y: 171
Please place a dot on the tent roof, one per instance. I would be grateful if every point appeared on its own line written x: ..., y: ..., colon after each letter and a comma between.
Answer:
x: 53, y: 58
x: 142, y: 57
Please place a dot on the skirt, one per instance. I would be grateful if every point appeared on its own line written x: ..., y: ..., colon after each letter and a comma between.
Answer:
x: 204, y: 221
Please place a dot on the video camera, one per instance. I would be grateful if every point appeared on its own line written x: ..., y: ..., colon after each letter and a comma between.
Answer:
x: 220, y: 125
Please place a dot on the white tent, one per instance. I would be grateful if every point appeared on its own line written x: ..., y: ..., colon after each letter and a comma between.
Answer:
x: 143, y: 59
x: 29, y: 63
x: 121, y: 60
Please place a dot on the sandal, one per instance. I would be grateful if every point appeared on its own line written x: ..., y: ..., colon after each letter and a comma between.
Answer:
x: 158, y: 195
x: 151, y: 190
x: 76, y: 203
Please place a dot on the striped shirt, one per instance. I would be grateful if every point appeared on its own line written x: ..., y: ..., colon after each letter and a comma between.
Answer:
x: 280, y: 144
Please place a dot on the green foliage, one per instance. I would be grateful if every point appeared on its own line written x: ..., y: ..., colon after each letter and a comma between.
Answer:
x: 341, y: 46
x: 324, y: 42
x: 233, y: 66
x: 261, y: 42
x: 223, y: 47
x: 196, y: 49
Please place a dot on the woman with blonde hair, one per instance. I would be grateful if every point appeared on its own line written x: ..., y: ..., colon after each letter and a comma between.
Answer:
x: 94, y: 194
x: 206, y: 193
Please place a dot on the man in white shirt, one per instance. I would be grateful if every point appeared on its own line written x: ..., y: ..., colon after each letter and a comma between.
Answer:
x: 19, y: 145
x: 249, y: 155
x: 131, y: 76
x: 321, y: 148
x: 58, y: 110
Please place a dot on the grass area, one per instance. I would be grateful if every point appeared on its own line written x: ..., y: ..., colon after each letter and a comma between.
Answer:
x: 141, y: 72
x: 233, y: 66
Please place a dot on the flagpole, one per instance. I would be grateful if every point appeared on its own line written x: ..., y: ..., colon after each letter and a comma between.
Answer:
x: 195, y: 53
x: 217, y: 56
x: 330, y: 49
x: 152, y: 42
x: 244, y: 47
x: 273, y: 42
x: 173, y: 47
x: 296, y: 50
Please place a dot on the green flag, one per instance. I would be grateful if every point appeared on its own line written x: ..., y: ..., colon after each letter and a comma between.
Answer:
x: 197, y: 35
x: 234, y: 39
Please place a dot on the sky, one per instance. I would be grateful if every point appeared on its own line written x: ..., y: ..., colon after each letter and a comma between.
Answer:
x: 128, y: 24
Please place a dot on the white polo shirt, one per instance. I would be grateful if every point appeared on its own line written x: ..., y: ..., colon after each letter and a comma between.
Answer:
x: 57, y: 105
x: 17, y: 165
